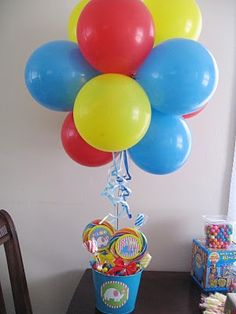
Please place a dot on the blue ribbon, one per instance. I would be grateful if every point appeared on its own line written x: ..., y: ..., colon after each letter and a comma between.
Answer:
x: 116, y: 189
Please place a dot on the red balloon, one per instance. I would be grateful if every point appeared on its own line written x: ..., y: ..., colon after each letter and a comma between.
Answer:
x: 78, y: 149
x: 115, y: 36
x: 193, y: 114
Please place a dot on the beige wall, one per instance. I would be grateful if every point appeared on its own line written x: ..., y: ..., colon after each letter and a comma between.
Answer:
x: 51, y: 198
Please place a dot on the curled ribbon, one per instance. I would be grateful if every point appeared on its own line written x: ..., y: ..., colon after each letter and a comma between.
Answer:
x: 116, y: 189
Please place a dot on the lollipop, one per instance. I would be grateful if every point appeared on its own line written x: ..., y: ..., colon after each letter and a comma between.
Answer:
x: 139, y: 221
x: 99, y: 232
x: 129, y: 244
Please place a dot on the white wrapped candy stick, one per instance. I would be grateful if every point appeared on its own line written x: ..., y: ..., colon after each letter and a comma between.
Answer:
x: 213, y: 304
x: 145, y: 261
x: 91, y: 246
x: 221, y: 297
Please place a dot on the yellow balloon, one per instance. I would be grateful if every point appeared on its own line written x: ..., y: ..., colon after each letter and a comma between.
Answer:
x: 72, y: 25
x: 112, y: 112
x: 175, y: 18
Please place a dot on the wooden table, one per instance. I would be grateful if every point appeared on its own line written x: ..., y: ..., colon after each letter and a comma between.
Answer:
x: 160, y: 293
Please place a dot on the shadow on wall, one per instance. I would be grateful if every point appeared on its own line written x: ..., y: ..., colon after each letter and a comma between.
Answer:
x: 230, y: 148
x: 168, y: 243
x: 52, y: 295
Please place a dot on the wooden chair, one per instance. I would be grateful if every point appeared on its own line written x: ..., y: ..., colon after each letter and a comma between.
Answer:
x: 8, y: 237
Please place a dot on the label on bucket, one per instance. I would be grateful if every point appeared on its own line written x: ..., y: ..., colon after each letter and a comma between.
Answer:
x: 114, y: 294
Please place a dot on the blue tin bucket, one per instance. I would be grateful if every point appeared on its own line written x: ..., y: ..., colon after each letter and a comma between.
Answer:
x: 116, y: 294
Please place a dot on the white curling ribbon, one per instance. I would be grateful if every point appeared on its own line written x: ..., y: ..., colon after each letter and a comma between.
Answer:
x: 146, y: 260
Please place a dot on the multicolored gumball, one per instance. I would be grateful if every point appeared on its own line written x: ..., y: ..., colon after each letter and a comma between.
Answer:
x: 129, y: 244
x: 99, y: 232
x: 219, y: 236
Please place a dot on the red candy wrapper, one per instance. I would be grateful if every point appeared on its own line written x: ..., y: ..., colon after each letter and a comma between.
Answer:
x: 122, y: 268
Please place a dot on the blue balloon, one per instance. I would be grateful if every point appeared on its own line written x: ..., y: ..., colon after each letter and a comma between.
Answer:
x: 179, y: 76
x: 165, y: 147
x: 55, y: 73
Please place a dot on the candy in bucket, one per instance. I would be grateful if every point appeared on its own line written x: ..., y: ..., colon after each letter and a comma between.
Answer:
x: 119, y: 258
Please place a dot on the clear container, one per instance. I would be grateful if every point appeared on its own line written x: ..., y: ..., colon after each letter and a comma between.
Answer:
x: 218, y: 231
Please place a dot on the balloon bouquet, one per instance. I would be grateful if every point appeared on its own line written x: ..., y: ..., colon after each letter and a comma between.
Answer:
x: 130, y: 74
x: 125, y: 93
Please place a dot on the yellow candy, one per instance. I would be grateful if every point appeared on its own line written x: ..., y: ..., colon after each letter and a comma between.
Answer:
x: 145, y: 261
x: 108, y: 258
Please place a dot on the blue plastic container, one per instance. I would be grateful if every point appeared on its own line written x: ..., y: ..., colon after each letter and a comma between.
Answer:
x: 116, y: 294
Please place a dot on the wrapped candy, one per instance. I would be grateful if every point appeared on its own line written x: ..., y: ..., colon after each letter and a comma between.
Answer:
x: 214, y: 304
x: 146, y: 260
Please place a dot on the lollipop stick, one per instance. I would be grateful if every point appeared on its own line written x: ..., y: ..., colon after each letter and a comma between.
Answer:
x: 104, y: 219
x: 117, y: 216
x: 117, y: 204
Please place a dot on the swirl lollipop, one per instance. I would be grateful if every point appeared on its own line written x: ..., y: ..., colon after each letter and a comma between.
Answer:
x: 129, y: 244
x: 99, y: 231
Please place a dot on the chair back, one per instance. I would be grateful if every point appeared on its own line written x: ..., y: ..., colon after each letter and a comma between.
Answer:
x: 8, y: 238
